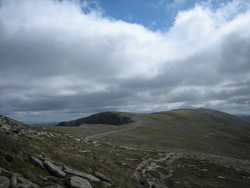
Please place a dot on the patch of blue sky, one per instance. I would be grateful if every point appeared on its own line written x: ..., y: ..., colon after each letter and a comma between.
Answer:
x: 152, y: 14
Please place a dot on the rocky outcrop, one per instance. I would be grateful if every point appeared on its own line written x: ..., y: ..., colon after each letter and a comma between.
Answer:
x: 77, y: 182
x: 10, y: 179
x: 9, y: 125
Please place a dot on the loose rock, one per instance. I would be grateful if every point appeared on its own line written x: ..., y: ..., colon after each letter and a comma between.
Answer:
x: 26, y: 183
x: 102, y: 177
x: 54, y: 170
x: 13, y: 181
x: 77, y: 182
x: 49, y: 178
x: 5, y: 128
x: 4, y: 182
x: 54, y: 186
x: 37, y: 162
x: 80, y: 174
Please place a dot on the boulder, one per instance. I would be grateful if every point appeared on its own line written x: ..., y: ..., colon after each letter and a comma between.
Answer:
x: 5, y: 128
x: 102, y: 177
x: 53, y: 169
x: 4, y: 182
x: 13, y: 181
x: 39, y: 156
x: 106, y: 184
x: 37, y: 162
x: 77, y: 182
x: 9, y: 173
x: 24, y: 183
x: 80, y: 174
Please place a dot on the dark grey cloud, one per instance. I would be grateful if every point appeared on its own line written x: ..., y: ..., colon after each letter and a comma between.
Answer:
x: 58, y: 62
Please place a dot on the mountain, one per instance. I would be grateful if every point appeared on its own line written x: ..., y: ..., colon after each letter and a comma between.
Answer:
x: 179, y: 148
x: 110, y: 118
x: 244, y: 116
x: 202, y: 130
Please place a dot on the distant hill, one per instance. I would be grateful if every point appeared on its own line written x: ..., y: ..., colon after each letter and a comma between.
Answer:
x: 111, y: 118
x: 179, y: 148
x: 203, y: 130
x: 244, y: 116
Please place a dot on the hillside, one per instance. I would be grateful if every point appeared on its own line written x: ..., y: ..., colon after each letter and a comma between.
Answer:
x: 180, y: 148
x: 202, y: 130
x: 110, y: 118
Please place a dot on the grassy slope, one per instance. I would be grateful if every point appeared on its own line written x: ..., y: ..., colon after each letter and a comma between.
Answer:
x: 196, y: 130
x: 102, y: 159
x: 189, y: 131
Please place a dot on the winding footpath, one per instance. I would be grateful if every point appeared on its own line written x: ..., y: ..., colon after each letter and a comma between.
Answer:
x: 137, y: 123
x: 143, y: 169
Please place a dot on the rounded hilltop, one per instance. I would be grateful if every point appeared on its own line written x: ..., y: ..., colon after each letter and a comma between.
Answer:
x: 110, y: 118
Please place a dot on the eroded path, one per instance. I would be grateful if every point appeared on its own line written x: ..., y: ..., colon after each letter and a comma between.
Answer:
x: 137, y: 123
x: 149, y: 166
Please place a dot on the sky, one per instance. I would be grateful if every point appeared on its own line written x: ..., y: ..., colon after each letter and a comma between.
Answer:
x: 65, y: 59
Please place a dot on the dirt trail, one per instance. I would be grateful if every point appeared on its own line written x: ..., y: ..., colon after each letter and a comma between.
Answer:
x: 143, y: 169
x: 137, y: 123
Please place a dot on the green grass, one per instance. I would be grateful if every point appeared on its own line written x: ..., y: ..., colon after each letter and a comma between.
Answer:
x: 206, y: 134
x: 105, y: 160
x: 194, y: 173
x: 202, y: 131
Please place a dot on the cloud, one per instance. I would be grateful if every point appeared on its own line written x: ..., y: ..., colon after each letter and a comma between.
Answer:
x: 64, y: 57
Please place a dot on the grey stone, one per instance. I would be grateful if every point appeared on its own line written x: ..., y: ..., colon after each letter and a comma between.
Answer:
x: 221, y: 177
x: 13, y: 181
x: 26, y: 183
x: 106, y: 184
x: 9, y: 173
x: 37, y: 162
x: 77, y: 182
x: 102, y: 177
x: 53, y: 169
x: 80, y: 174
x: 54, y: 186
x: 39, y: 156
x: 5, y: 128
x: 49, y: 178
x: 4, y: 182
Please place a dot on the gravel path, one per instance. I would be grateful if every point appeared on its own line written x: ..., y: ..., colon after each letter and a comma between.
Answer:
x: 137, y: 123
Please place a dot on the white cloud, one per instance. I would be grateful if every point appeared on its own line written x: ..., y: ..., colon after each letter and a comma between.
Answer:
x: 55, y: 56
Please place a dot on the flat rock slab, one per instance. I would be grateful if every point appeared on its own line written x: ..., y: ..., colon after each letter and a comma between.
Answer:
x: 26, y: 183
x: 102, y: 177
x: 4, y: 182
x: 77, y: 182
x: 81, y: 174
x: 53, y: 169
x: 37, y: 162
